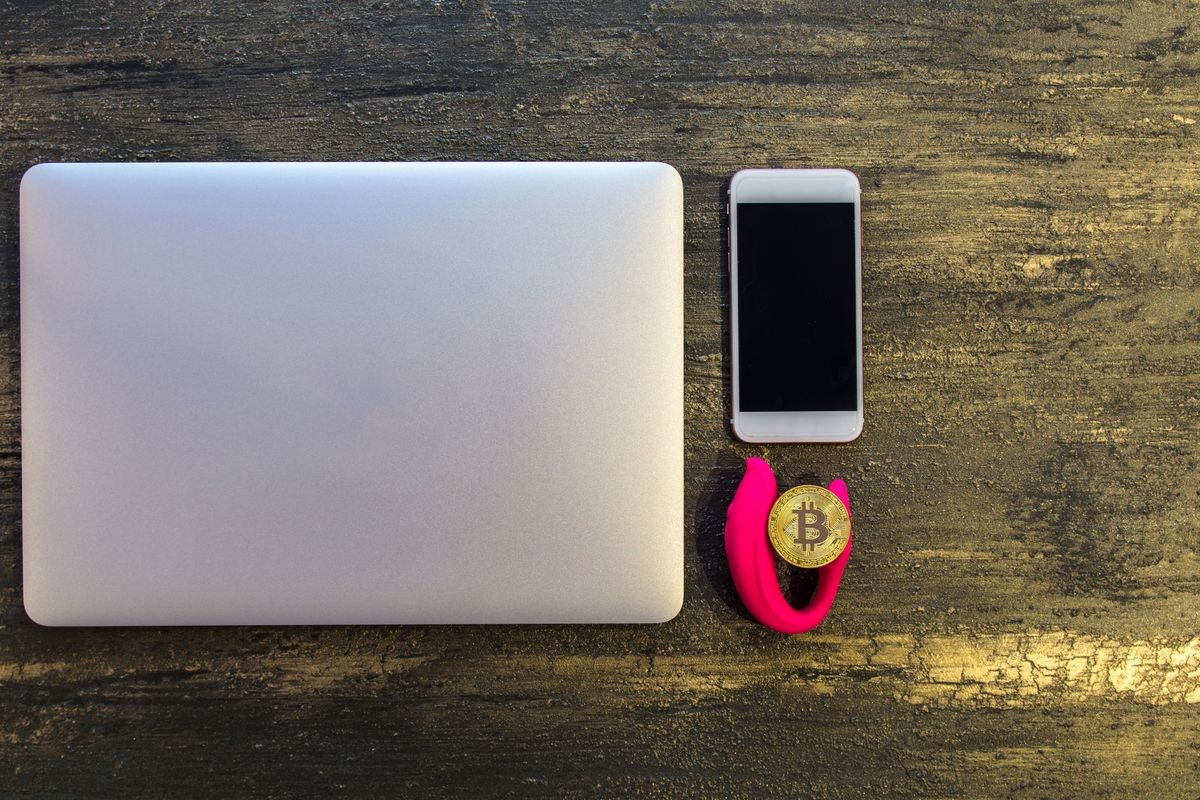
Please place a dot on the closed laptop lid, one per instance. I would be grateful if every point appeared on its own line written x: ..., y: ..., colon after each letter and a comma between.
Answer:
x: 352, y: 393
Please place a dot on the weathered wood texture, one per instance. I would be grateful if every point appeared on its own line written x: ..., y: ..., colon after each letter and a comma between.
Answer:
x: 1020, y: 616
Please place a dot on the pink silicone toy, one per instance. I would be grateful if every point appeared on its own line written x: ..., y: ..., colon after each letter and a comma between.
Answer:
x: 752, y: 561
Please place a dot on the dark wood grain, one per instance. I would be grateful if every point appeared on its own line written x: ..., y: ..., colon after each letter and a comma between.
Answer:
x: 1020, y: 618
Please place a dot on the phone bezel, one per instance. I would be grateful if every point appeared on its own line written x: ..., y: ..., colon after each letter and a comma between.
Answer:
x: 795, y: 186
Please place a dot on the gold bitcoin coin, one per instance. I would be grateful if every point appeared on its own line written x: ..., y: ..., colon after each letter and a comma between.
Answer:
x: 809, y: 526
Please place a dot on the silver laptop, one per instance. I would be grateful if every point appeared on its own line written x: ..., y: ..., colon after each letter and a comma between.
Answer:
x: 352, y: 393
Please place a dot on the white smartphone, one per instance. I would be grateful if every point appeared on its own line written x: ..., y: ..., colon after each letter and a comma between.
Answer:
x: 796, y: 282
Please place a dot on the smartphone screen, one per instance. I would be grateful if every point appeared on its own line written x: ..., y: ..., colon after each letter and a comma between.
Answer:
x: 797, y: 301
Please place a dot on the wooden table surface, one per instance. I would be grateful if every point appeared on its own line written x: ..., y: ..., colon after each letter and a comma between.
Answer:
x: 1020, y: 615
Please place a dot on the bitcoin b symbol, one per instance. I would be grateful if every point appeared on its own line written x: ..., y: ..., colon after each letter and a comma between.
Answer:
x: 810, y: 518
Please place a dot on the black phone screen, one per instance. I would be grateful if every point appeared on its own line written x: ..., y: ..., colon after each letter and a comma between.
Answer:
x: 797, y: 301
